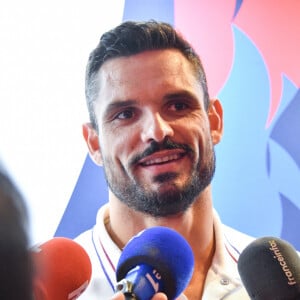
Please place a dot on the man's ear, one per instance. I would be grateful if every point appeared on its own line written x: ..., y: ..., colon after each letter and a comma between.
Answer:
x: 215, y: 115
x: 92, y: 140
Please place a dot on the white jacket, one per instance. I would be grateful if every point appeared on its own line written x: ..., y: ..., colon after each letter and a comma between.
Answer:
x: 222, y: 281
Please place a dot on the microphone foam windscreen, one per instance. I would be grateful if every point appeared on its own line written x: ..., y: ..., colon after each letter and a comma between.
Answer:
x: 62, y: 269
x: 165, y: 250
x: 270, y: 269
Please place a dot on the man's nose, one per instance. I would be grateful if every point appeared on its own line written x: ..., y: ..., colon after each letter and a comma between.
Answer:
x: 156, y: 128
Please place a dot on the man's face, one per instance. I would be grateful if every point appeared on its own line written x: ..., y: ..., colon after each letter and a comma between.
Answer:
x: 154, y: 132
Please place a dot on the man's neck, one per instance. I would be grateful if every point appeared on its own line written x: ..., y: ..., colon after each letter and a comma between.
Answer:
x: 195, y: 225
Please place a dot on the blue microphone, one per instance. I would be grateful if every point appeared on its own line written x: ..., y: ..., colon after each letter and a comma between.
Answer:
x: 157, y: 259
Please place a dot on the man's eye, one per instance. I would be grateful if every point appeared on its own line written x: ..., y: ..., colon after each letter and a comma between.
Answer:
x: 179, y: 106
x: 126, y: 114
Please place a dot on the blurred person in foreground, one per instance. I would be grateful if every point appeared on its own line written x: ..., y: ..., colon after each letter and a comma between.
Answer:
x: 15, y: 261
x: 153, y: 128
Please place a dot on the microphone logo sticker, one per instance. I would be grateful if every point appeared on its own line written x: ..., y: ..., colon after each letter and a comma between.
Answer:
x: 278, y: 255
x: 76, y: 293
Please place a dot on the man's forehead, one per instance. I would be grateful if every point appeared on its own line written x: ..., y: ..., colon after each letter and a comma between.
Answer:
x: 133, y: 68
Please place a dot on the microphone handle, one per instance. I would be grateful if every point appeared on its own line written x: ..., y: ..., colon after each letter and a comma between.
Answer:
x: 126, y: 287
x: 130, y: 296
x: 140, y: 283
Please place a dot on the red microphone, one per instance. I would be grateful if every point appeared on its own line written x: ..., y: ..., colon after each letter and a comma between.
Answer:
x: 61, y: 270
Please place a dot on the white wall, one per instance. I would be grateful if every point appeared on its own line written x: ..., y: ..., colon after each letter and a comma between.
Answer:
x: 44, y: 46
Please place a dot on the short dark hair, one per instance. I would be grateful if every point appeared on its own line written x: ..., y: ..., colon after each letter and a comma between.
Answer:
x: 131, y: 38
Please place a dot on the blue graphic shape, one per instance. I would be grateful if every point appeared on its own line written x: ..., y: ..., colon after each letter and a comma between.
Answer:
x: 159, y: 10
x: 89, y: 194
x: 283, y: 149
x: 284, y: 160
x: 286, y: 131
x: 284, y: 173
x: 291, y: 221
x: 285, y: 178
x: 243, y: 193
x: 238, y: 4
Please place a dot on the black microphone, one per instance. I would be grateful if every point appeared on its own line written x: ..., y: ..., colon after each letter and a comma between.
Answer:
x: 158, y: 259
x: 270, y: 270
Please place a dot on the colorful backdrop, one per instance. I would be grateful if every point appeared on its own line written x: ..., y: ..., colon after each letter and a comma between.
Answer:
x: 250, y: 51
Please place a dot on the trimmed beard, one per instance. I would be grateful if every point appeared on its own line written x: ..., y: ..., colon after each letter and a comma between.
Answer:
x: 171, y: 201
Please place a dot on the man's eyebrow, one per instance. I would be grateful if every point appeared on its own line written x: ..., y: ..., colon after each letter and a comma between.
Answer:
x: 179, y: 95
x: 118, y: 105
